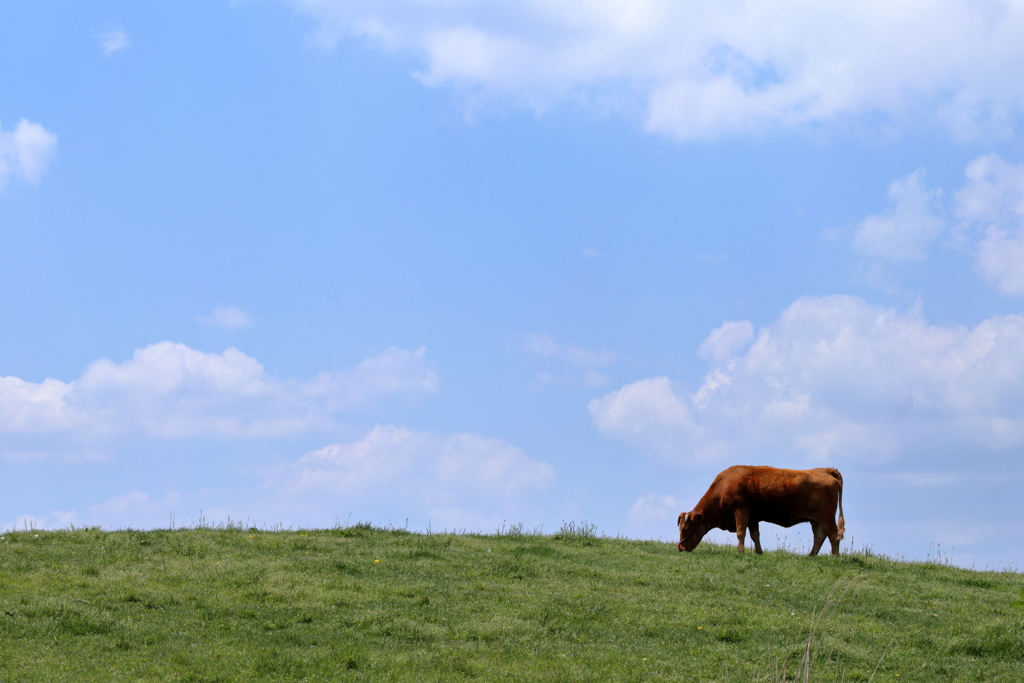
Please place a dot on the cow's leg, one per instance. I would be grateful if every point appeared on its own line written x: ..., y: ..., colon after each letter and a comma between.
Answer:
x: 833, y: 538
x: 819, y: 538
x: 755, y: 536
x: 742, y: 517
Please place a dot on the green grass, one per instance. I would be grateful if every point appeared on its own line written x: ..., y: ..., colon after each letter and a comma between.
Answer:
x: 360, y: 603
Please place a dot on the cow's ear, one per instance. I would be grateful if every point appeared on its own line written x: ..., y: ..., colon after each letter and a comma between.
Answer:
x: 697, y: 517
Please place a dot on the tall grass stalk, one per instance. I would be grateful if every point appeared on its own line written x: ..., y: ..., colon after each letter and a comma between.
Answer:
x: 816, y: 633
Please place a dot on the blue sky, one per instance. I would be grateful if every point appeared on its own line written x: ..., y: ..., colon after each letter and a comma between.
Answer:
x: 470, y: 263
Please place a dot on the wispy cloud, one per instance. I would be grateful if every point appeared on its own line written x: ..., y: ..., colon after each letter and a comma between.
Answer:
x: 544, y: 346
x: 113, y: 39
x: 227, y: 318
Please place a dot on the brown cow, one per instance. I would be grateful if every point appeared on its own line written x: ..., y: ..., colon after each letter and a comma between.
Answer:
x: 741, y: 497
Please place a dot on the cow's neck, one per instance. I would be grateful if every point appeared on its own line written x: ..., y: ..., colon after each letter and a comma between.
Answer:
x: 711, y: 507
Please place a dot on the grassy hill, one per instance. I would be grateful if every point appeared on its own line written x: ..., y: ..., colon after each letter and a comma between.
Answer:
x: 360, y: 603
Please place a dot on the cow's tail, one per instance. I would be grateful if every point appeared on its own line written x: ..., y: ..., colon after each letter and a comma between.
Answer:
x: 842, y: 520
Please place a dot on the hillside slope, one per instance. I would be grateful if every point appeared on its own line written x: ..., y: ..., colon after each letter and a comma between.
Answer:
x: 369, y: 604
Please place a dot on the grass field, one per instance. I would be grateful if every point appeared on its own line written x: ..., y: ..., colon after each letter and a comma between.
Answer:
x: 359, y: 603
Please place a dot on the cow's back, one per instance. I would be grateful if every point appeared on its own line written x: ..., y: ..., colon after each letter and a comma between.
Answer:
x: 780, y: 496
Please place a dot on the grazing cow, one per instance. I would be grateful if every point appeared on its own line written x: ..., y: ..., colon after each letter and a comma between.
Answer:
x: 741, y: 497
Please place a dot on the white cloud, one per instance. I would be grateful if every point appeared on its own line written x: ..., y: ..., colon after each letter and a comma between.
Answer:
x: 649, y: 413
x: 30, y: 407
x: 227, y: 318
x: 394, y: 372
x: 657, y: 509
x: 908, y: 228
x: 486, y: 466
x: 992, y: 201
x: 837, y: 378
x: 25, y: 151
x: 113, y: 40
x: 455, y: 480
x: 171, y: 391
x: 725, y: 341
x: 990, y: 209
x: 704, y: 69
x: 544, y: 346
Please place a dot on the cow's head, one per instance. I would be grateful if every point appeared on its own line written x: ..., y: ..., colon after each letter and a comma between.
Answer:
x: 691, y: 530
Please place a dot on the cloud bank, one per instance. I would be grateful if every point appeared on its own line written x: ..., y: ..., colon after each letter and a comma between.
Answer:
x: 453, y: 481
x: 25, y: 152
x: 458, y: 480
x: 171, y: 391
x: 699, y: 70
x: 835, y: 379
